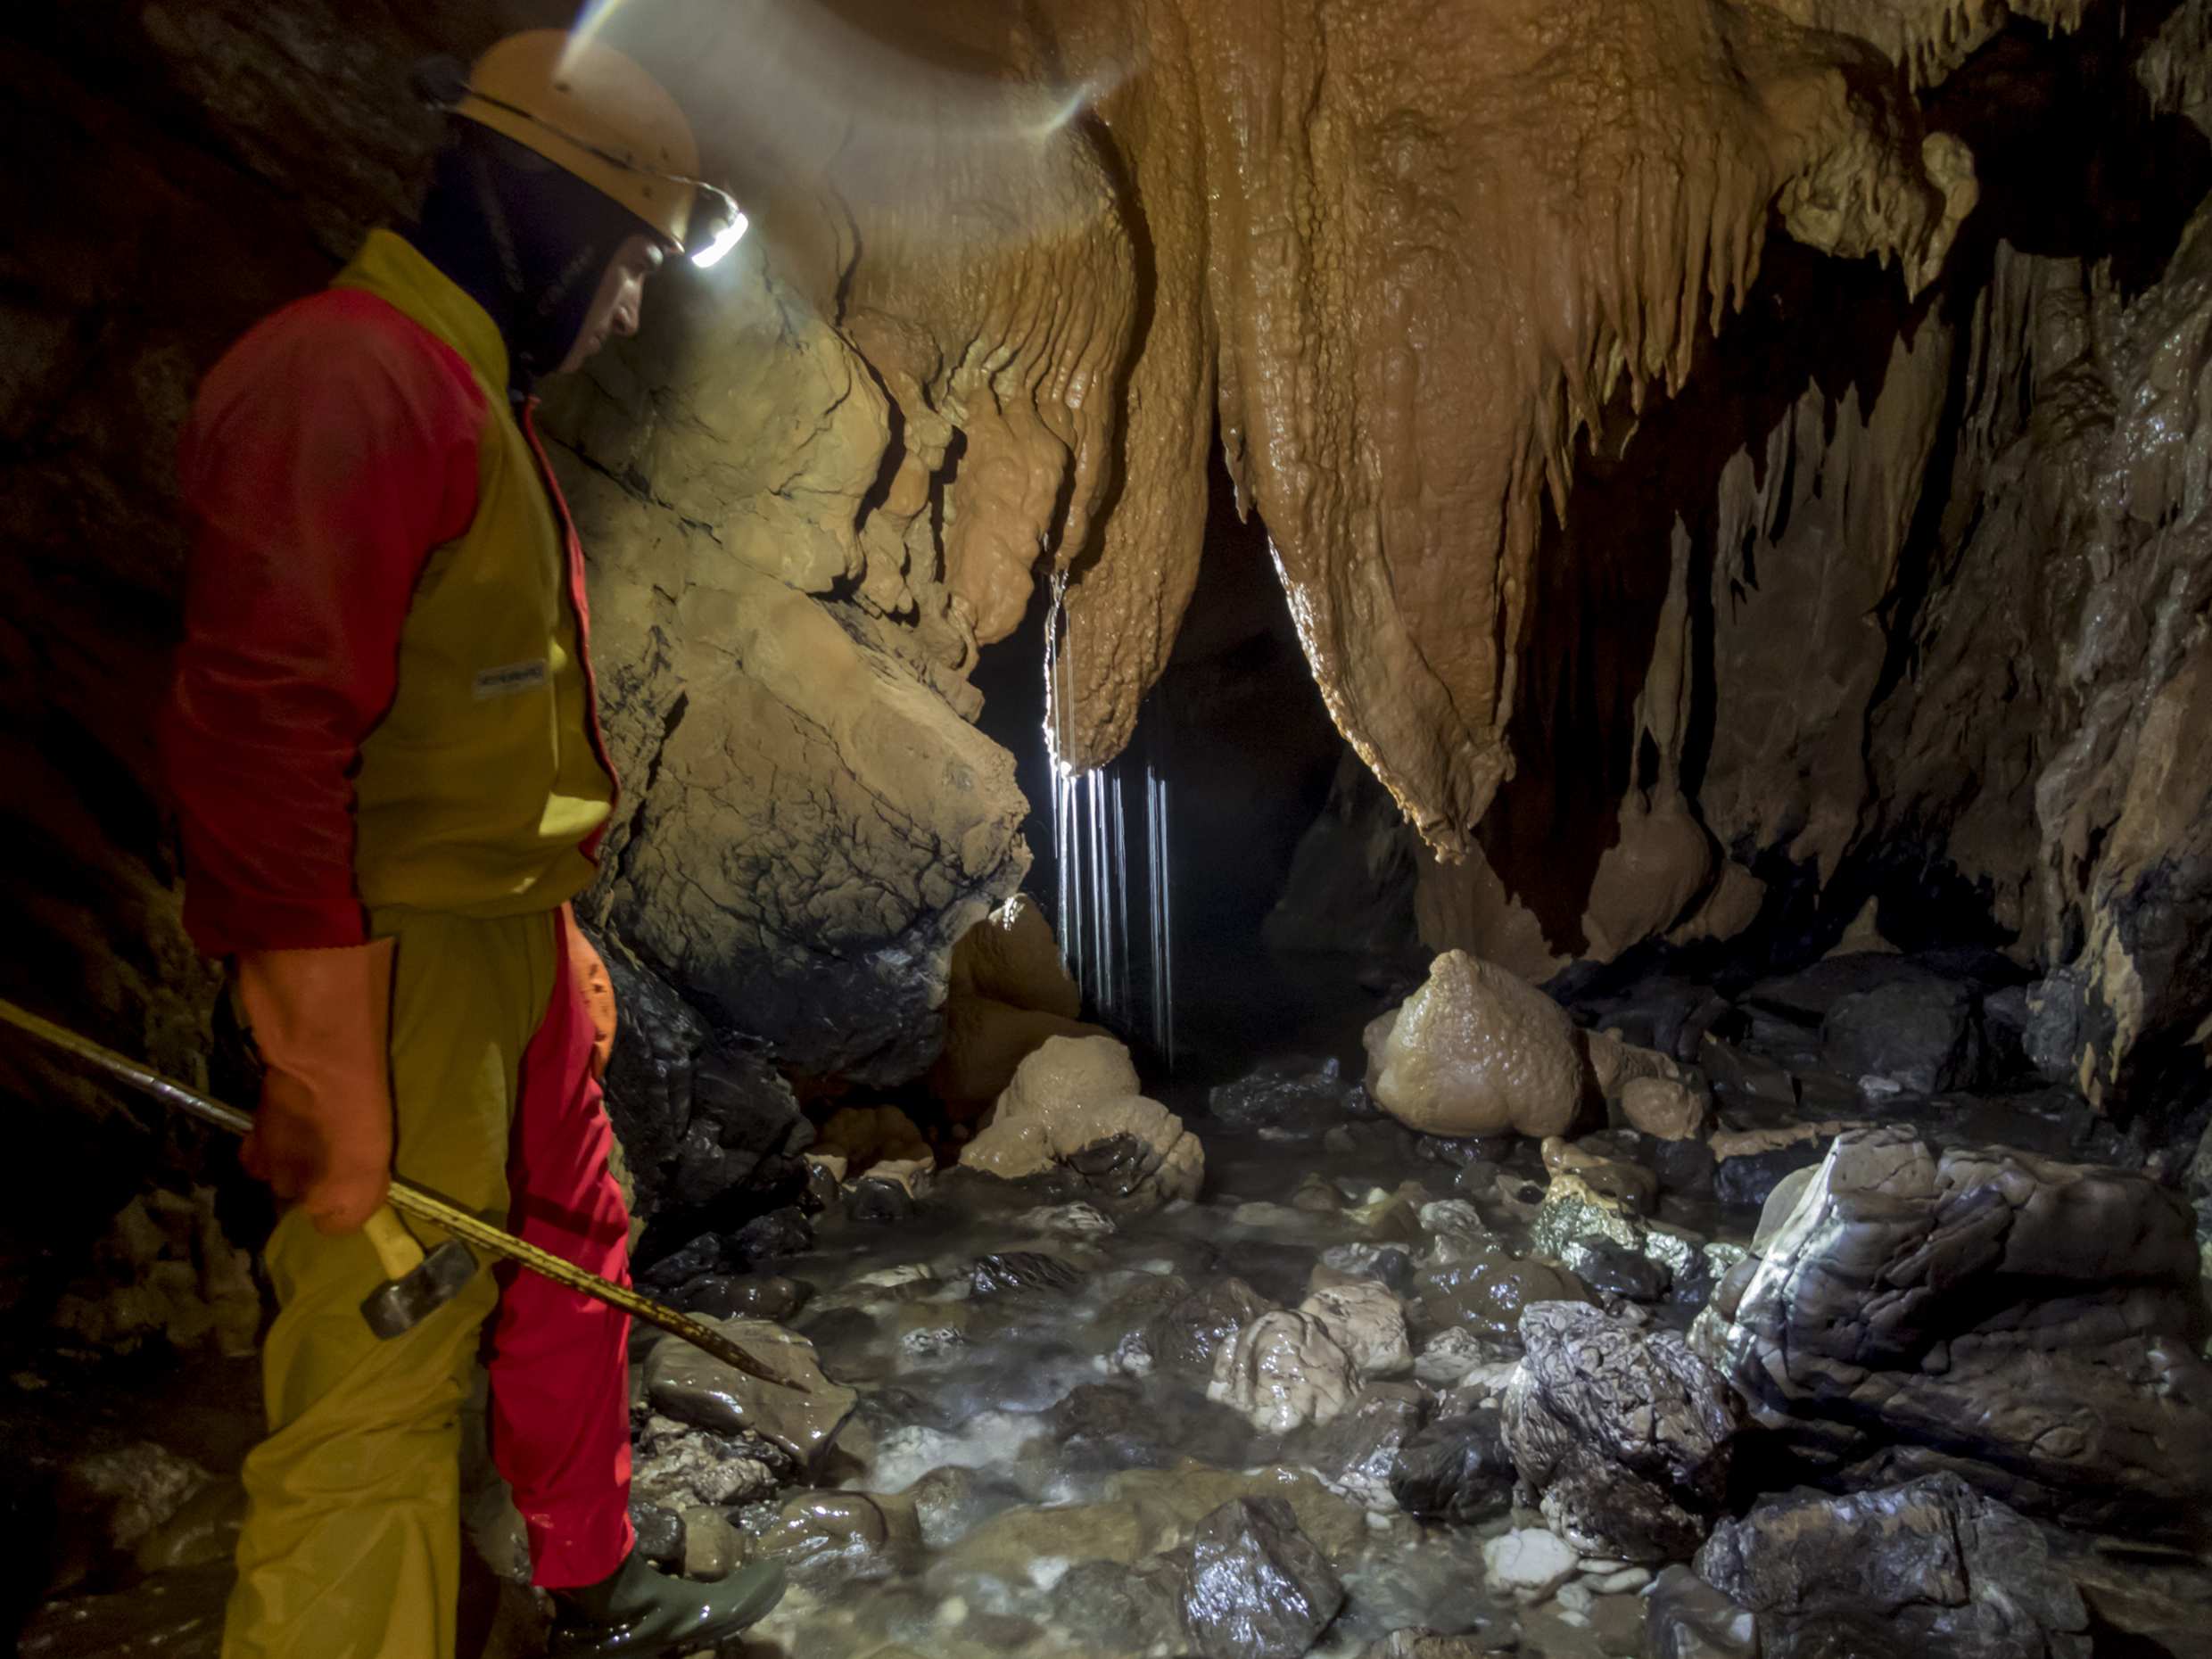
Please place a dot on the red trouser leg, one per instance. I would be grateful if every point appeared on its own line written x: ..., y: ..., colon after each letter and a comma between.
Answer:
x: 560, y: 1372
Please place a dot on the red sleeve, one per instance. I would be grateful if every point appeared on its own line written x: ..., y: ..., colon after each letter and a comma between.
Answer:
x: 328, y: 453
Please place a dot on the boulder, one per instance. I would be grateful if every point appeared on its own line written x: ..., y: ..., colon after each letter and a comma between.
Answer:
x: 1297, y: 1092
x: 1749, y: 1179
x: 2036, y: 1326
x: 1281, y: 1370
x: 822, y: 1538
x: 1474, y: 1052
x: 702, y: 1121
x: 864, y: 1135
x: 1663, y: 1107
x: 1931, y: 1567
x: 1074, y: 1104
x: 1109, y: 1609
x: 1627, y: 1183
x: 1621, y: 1435
x: 1185, y: 1337
x: 801, y: 1414
x: 1009, y: 993
x: 1462, y: 1357
x: 1357, y: 1452
x: 742, y: 1296
x: 1456, y: 1469
x: 1487, y: 1296
x: 1011, y: 957
x: 1368, y: 1323
x: 1257, y: 1587
x: 1616, y: 1063
x: 1921, y: 1036
x: 1609, y: 1269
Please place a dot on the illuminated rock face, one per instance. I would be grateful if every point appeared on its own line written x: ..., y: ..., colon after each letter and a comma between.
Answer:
x: 1607, y: 629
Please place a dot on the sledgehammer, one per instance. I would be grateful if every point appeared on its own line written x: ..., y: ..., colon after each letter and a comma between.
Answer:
x: 416, y: 1284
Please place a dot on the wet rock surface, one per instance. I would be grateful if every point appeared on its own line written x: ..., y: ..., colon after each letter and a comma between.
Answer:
x: 1475, y: 1051
x: 1458, y: 1469
x: 1257, y: 1587
x: 800, y: 1415
x: 1465, y: 1376
x: 2038, y: 1330
x: 1622, y: 1433
x: 1074, y: 1104
x: 702, y: 1122
x: 1928, y: 1567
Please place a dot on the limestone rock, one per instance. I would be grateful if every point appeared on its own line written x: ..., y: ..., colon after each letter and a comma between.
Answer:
x: 1009, y: 995
x: 1930, y: 1567
x: 1011, y: 957
x: 1460, y: 1356
x: 823, y: 1538
x: 1487, y: 1296
x: 1368, y: 1323
x: 164, y: 1270
x: 701, y: 1121
x: 680, y: 1466
x: 1281, y: 1370
x: 802, y: 1416
x: 1184, y: 1338
x: 1922, y: 1038
x: 1623, y: 1434
x: 1528, y: 1565
x: 1616, y: 1063
x: 1456, y: 1469
x: 825, y: 933
x: 127, y: 1493
x: 1670, y: 1110
x: 986, y: 1040
x: 1475, y: 1051
x: 2039, y: 1329
x: 1293, y: 1094
x: 1357, y: 1452
x: 864, y: 1136
x: 1257, y: 1587
x: 1616, y: 1179
x: 1075, y: 1102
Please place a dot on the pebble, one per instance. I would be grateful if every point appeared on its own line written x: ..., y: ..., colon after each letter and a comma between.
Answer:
x: 1528, y: 1565
x: 1576, y: 1599
x: 1618, y: 1584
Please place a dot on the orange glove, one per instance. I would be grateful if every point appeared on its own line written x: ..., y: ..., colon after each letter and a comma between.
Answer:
x: 596, y: 989
x: 322, y: 1020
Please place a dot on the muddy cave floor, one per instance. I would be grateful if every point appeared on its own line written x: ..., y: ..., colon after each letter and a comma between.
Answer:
x: 1006, y: 1478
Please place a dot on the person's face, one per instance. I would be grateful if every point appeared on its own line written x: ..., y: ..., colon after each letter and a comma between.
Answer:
x: 614, y: 309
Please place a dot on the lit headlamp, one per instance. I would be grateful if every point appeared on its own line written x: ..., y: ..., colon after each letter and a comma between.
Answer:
x: 716, y: 223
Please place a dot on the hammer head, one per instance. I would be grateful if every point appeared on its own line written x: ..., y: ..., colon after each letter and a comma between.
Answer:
x: 398, y: 1306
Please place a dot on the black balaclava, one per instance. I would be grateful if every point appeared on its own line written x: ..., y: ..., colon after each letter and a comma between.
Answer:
x: 528, y: 240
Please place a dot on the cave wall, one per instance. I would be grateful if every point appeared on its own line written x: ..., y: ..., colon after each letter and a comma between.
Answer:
x: 1634, y: 625
x: 1897, y: 602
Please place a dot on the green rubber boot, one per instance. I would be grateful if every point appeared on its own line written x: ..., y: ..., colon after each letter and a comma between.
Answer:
x: 637, y: 1611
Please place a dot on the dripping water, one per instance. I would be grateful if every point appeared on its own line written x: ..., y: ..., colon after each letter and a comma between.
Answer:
x: 1115, y: 915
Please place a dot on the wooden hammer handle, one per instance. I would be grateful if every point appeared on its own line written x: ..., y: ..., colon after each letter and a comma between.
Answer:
x: 396, y: 1247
